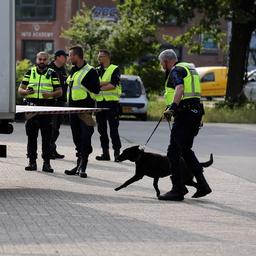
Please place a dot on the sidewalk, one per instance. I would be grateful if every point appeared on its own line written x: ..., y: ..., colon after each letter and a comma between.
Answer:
x: 54, y: 214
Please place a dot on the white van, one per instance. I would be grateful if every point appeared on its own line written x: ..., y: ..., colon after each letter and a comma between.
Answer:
x: 133, y: 100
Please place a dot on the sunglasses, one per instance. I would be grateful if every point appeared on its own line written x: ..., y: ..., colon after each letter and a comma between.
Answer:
x: 42, y: 59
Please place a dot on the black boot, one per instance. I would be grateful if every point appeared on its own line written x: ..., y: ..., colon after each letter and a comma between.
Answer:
x: 104, y: 157
x: 32, y: 166
x: 203, y: 188
x: 177, y: 192
x: 82, y: 168
x: 73, y: 171
x: 47, y: 167
x: 116, y: 155
x: 58, y: 156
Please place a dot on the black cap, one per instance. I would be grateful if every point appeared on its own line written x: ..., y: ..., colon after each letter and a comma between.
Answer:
x: 60, y: 53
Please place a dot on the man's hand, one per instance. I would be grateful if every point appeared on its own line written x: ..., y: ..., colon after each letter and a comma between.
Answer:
x: 29, y: 90
x: 46, y: 95
x: 170, y: 112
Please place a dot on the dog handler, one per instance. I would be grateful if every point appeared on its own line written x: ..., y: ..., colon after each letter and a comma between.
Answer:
x: 182, y: 95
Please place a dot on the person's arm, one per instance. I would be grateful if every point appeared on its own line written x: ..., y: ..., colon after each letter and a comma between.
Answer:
x: 91, y: 81
x: 179, y: 90
x: 23, y: 89
x: 177, y: 75
x: 115, y: 79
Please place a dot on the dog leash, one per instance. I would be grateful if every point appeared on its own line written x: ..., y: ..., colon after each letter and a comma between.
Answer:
x: 143, y: 147
x: 161, y: 118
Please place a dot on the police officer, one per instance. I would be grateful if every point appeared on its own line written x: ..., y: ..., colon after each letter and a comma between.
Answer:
x: 40, y: 86
x: 58, y: 64
x: 83, y: 82
x: 110, y: 91
x: 182, y: 94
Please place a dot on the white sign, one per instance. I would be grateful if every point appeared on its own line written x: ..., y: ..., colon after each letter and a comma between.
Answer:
x: 36, y: 34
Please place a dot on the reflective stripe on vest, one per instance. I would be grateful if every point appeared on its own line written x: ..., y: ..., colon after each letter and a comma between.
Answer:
x: 192, y: 88
x: 40, y: 84
x: 75, y: 87
x: 113, y: 94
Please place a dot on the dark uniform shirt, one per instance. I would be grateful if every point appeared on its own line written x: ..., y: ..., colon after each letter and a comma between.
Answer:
x: 176, y: 77
x: 62, y: 76
x: 37, y: 101
x: 115, y: 78
x: 91, y: 82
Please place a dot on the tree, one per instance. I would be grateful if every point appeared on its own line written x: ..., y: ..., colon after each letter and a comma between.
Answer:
x: 21, y: 68
x: 131, y: 37
x: 241, y: 13
x: 88, y: 32
x: 243, y: 17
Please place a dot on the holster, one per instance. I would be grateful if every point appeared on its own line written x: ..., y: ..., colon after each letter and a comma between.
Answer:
x: 29, y: 115
x: 87, y: 119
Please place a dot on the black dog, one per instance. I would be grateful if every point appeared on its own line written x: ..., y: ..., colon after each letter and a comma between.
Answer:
x: 155, y: 166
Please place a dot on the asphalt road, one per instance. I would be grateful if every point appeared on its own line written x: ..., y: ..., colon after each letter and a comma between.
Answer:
x: 233, y: 145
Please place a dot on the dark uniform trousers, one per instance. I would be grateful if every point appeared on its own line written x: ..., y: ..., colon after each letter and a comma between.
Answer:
x: 185, y: 127
x: 82, y: 135
x: 112, y: 117
x: 33, y: 125
x: 57, y: 120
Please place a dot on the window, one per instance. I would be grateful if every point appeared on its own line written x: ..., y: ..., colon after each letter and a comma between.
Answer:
x: 209, y: 77
x: 209, y: 45
x: 35, y: 9
x: 131, y: 88
x: 31, y: 48
x: 252, y: 52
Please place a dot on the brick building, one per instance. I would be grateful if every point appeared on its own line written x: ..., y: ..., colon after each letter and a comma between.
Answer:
x: 39, y: 25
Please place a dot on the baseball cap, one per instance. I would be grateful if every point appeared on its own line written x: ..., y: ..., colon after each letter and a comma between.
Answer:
x: 60, y: 53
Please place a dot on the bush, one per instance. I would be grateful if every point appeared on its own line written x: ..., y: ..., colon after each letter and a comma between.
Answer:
x: 231, y: 113
x: 21, y: 68
x: 150, y: 73
x: 221, y: 113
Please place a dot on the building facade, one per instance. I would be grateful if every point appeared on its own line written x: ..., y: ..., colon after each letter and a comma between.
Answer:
x: 39, y: 24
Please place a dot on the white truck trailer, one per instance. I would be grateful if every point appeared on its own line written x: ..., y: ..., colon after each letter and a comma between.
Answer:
x: 7, y: 67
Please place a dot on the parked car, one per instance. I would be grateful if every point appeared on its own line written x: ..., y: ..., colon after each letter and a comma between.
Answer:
x: 213, y: 81
x: 250, y: 86
x: 133, y: 100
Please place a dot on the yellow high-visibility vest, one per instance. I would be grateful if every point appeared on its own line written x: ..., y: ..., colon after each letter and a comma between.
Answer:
x: 192, y: 87
x: 41, y: 83
x: 109, y: 95
x: 75, y: 87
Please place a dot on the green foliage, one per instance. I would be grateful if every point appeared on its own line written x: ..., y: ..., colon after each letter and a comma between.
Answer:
x: 150, y: 73
x: 156, y: 107
x: 221, y: 113
x: 129, y: 39
x: 21, y: 68
x: 225, y: 114
x: 133, y: 36
x: 195, y: 33
x: 89, y: 33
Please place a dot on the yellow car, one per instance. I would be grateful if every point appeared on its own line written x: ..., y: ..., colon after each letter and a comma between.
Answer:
x: 213, y: 81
